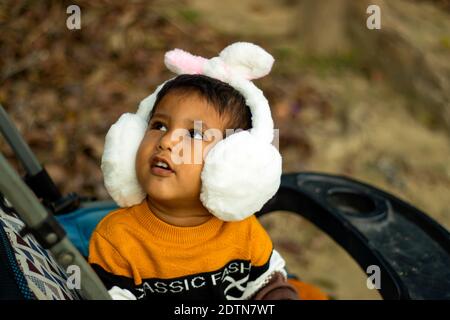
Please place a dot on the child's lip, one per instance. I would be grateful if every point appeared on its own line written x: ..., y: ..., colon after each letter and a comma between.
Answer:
x: 161, y: 172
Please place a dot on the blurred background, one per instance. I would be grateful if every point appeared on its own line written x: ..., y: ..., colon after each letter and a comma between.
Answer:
x: 369, y: 104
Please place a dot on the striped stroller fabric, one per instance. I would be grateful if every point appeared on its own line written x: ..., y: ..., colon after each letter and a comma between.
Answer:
x: 44, y: 277
x: 13, y: 285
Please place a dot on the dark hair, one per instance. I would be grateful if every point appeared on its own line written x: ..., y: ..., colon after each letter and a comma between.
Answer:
x: 224, y: 98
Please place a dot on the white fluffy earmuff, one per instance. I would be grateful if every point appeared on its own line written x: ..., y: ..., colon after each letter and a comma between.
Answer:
x: 241, y: 172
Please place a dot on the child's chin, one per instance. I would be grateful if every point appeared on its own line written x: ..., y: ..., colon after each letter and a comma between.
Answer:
x: 157, y: 181
x: 158, y: 193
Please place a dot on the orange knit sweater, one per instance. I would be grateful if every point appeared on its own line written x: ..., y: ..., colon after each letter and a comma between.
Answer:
x: 133, y: 249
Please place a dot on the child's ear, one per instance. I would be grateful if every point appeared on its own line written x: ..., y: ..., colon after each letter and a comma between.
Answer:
x: 247, y: 59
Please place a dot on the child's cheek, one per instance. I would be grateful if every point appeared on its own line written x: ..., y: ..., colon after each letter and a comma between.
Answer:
x: 194, y: 180
x: 212, y: 137
x: 191, y: 172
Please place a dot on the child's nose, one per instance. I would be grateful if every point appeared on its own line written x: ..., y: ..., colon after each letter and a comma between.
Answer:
x: 165, y: 142
x: 170, y: 138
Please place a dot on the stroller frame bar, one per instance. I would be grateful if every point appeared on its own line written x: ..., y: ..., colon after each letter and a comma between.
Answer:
x: 19, y: 146
x: 36, y: 219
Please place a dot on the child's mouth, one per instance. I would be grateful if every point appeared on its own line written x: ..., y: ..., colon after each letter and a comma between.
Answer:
x: 160, y: 167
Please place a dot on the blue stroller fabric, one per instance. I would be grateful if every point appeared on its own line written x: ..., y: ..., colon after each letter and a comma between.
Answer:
x: 80, y: 223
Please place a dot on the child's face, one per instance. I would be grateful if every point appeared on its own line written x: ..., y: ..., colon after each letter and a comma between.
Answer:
x: 181, y: 185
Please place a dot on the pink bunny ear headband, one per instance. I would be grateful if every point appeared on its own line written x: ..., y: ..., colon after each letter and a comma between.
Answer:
x: 241, y: 172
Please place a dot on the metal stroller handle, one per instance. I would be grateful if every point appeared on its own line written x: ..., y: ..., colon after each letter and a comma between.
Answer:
x: 375, y: 228
x: 48, y: 231
x: 36, y: 176
x: 19, y: 146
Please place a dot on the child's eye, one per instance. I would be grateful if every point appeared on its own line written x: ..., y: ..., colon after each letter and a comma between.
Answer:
x: 196, y: 134
x: 158, y: 126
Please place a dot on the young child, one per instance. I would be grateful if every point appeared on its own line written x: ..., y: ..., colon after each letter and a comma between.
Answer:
x: 189, y: 188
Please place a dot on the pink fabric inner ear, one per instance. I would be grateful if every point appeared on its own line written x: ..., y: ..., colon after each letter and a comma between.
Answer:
x: 185, y: 62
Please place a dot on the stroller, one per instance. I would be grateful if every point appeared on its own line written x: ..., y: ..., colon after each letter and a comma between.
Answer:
x: 43, y: 242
